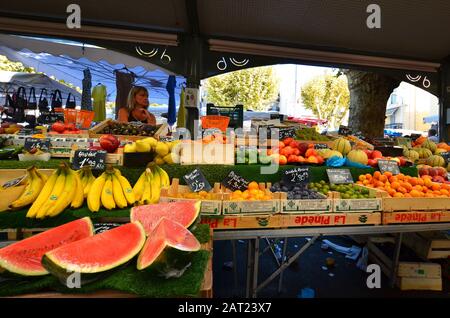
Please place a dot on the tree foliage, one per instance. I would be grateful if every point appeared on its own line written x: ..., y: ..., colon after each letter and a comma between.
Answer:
x: 255, y: 88
x: 328, y: 97
x: 7, y: 65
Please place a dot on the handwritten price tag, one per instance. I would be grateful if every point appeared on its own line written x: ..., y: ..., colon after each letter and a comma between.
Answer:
x: 339, y: 176
x: 296, y: 175
x: 197, y: 181
x: 235, y: 182
x: 93, y: 158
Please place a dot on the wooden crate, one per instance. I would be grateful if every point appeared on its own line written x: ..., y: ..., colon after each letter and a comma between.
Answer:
x: 419, y: 276
x: 359, y: 205
x: 416, y: 217
x: 212, y: 153
x: 234, y: 222
x: 11, y: 194
x: 208, y: 207
x: 332, y: 219
x: 290, y: 206
x: 233, y: 207
x: 415, y: 204
x: 95, y: 132
x: 428, y: 245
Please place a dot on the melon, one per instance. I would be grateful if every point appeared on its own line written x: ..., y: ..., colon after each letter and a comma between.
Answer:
x: 424, y: 153
x: 358, y: 156
x: 428, y: 144
x: 342, y: 145
x: 328, y: 153
x: 95, y: 254
x: 436, y: 161
x: 24, y: 257
x: 166, y: 233
x: 411, y: 154
x: 183, y: 212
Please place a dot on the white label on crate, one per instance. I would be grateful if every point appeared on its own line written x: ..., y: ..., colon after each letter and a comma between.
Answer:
x: 250, y: 207
x: 359, y: 204
x: 307, y: 205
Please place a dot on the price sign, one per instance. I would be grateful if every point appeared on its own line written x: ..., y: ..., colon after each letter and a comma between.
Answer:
x: 235, y: 182
x: 320, y: 146
x: 344, y: 130
x: 446, y: 156
x: 388, y: 165
x: 197, y: 181
x: 37, y: 143
x: 166, y: 138
x: 296, y: 175
x: 339, y: 176
x: 13, y: 182
x: 287, y: 132
x: 92, y: 158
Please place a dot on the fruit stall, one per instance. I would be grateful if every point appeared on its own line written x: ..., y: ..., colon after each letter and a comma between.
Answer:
x: 165, y: 199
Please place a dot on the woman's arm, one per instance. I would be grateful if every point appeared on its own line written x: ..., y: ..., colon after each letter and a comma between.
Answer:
x: 123, y: 115
x: 151, y: 119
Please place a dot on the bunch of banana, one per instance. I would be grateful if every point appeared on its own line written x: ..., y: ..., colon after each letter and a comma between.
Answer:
x: 35, y: 183
x: 110, y: 190
x: 87, y: 178
x: 63, y: 188
x: 148, y: 187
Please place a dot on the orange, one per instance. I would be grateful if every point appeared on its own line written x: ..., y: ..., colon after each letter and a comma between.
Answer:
x: 395, y: 185
x: 414, y: 193
x: 402, y: 190
x: 444, y: 192
x: 377, y: 175
x: 368, y: 176
x: 398, y: 195
x: 437, y: 192
x: 360, y: 182
x: 245, y: 194
x: 387, y: 174
x: 366, y: 182
x: 413, y: 181
x: 418, y: 188
x: 392, y: 192
x: 407, y: 195
x: 362, y: 177
x: 383, y: 178
x: 420, y: 182
x: 253, y: 185
x: 429, y: 195
x: 435, y: 186
x: 407, y: 186
x: 393, y: 179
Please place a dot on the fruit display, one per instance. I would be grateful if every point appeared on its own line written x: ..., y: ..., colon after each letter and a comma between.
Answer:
x: 342, y: 145
x: 310, y: 134
x: 182, y: 212
x: 297, y: 191
x: 95, y: 254
x: 347, y: 191
x: 290, y: 151
x: 10, y: 152
x: 166, y: 233
x: 405, y: 186
x: 358, y: 156
x: 147, y: 189
x: 10, y: 128
x: 246, y: 155
x: 61, y: 128
x: 437, y: 174
x: 165, y: 152
x: 62, y: 189
x: 130, y: 129
x: 252, y: 193
x: 34, y: 184
x: 24, y: 257
x: 110, y: 190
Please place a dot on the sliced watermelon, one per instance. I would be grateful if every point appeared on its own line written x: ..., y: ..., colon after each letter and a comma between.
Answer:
x: 182, y: 212
x: 24, y: 257
x: 166, y: 233
x: 96, y: 254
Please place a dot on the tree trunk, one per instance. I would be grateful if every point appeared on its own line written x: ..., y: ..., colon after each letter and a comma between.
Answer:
x: 369, y: 93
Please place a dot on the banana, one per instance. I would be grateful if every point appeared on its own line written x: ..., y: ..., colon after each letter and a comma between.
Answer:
x: 66, y: 196
x: 107, y: 197
x: 138, y: 188
x: 118, y: 192
x: 147, y: 193
x: 165, y: 180
x: 89, y: 183
x: 155, y: 182
x: 43, y: 177
x: 54, y: 195
x: 32, y: 190
x: 95, y: 191
x: 79, y: 192
x: 126, y: 187
x: 45, y: 193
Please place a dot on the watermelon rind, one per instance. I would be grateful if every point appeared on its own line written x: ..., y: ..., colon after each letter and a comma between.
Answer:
x: 62, y: 269
x: 10, y: 270
x: 54, y: 265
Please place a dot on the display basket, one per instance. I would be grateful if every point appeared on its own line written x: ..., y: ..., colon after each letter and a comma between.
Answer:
x: 215, y: 121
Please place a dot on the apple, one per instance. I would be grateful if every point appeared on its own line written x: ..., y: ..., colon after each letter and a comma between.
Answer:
x: 376, y: 154
x: 368, y: 153
x: 110, y: 143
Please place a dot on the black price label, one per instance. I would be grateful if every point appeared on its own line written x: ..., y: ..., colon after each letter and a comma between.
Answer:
x: 296, y: 175
x: 13, y: 182
x: 37, y: 143
x: 212, y: 131
x: 388, y: 165
x: 287, y: 133
x: 446, y: 156
x: 89, y: 158
x: 339, y: 176
x: 320, y: 146
x: 197, y: 181
x: 50, y: 118
x: 344, y: 131
x: 235, y: 182
x: 166, y: 138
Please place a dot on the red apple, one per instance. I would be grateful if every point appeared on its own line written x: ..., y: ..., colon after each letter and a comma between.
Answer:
x: 287, y: 141
x: 368, y: 153
x: 372, y: 162
x: 294, y: 144
x: 110, y: 143
x: 302, y: 147
x: 376, y: 154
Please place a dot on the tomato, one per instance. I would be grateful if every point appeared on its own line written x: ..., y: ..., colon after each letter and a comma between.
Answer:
x: 58, y: 127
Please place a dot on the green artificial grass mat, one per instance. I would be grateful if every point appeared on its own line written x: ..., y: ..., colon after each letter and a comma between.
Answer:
x: 145, y: 283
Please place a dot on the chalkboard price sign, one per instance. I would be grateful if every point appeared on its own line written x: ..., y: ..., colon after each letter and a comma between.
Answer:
x: 339, y: 176
x: 235, y: 182
x: 166, y: 138
x: 446, y: 156
x: 197, y: 181
x: 320, y: 146
x: 92, y: 158
x: 37, y: 143
x: 13, y: 182
x: 296, y: 175
x: 344, y: 130
x: 287, y: 132
x: 388, y: 165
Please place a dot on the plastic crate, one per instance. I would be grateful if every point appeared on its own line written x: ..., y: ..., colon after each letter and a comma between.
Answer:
x: 236, y: 114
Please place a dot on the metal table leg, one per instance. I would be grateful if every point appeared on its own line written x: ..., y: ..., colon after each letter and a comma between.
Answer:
x: 249, y: 266
x: 255, y: 267
x: 235, y: 274
x: 398, y: 245
x: 280, y: 282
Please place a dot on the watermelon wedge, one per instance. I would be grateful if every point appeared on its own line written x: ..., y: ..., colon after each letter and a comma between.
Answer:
x: 182, y: 212
x: 99, y: 253
x: 166, y: 233
x: 24, y: 257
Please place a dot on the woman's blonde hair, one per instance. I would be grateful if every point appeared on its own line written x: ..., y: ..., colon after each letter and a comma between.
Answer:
x: 131, y: 100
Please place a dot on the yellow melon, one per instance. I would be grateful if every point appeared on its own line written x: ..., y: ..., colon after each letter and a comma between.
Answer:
x: 358, y: 156
x: 342, y: 145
